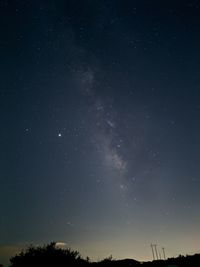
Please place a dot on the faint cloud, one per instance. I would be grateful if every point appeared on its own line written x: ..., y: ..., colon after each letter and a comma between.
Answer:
x: 61, y: 244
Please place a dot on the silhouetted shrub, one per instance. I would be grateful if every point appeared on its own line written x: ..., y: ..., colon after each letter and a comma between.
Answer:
x: 49, y: 255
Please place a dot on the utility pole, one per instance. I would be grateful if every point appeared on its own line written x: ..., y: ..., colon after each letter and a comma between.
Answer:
x: 152, y: 251
x: 155, y: 246
x: 160, y: 257
x: 163, y: 249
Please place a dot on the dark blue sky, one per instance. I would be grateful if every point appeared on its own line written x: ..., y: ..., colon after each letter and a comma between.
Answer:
x: 100, y: 108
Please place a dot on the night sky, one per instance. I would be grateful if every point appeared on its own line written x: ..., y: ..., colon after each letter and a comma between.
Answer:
x: 100, y: 126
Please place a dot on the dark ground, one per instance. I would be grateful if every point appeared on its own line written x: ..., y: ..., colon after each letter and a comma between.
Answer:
x: 51, y: 255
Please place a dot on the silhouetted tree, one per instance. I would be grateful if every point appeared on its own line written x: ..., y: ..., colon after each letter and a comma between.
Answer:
x: 49, y: 255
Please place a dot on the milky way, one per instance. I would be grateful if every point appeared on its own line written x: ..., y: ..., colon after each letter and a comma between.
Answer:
x: 100, y: 109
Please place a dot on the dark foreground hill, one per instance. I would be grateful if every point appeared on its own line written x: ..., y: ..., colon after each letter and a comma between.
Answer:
x: 181, y: 261
x: 116, y: 263
x: 52, y: 256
